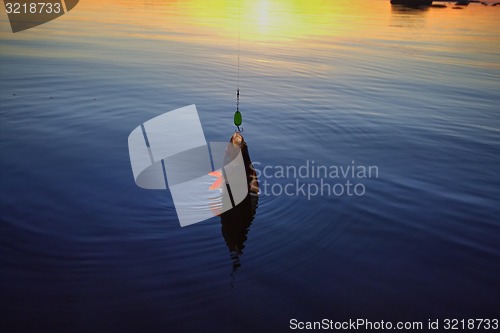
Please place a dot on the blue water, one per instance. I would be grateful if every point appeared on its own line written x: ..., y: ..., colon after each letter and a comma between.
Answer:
x: 413, y: 92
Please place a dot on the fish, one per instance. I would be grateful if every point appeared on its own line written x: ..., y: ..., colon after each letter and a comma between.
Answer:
x: 236, y: 145
x: 236, y: 222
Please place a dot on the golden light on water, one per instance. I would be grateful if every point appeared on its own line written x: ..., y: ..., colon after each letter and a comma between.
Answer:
x: 267, y: 26
x: 261, y: 20
x: 253, y: 20
x: 270, y: 21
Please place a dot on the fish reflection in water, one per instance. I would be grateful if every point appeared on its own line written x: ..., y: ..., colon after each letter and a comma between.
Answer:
x: 235, y: 223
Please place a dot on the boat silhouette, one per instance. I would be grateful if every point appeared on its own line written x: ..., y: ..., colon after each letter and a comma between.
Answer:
x: 412, y: 3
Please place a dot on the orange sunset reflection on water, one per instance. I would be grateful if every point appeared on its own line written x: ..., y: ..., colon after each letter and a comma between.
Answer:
x: 274, y: 20
x: 277, y: 21
x: 269, y: 27
x: 261, y: 20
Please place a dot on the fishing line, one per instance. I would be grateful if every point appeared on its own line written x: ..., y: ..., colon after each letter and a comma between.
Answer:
x: 237, y: 115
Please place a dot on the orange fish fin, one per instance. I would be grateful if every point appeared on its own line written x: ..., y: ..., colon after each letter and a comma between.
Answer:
x: 215, y: 174
x: 217, y: 184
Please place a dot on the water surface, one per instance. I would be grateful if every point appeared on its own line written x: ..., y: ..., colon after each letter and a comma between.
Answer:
x: 414, y: 92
